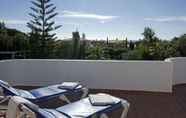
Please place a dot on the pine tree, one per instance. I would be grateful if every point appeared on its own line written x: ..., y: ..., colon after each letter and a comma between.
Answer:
x: 131, y: 45
x: 43, y: 25
x: 126, y: 43
x: 107, y: 41
x: 2, y: 25
x: 76, y: 45
x: 83, y: 46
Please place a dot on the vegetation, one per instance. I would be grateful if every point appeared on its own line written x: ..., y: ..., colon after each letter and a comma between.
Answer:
x: 12, y: 40
x: 149, y: 48
x: 41, y: 41
x: 42, y: 25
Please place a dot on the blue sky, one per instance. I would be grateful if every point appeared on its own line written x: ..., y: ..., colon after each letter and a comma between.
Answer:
x: 102, y: 18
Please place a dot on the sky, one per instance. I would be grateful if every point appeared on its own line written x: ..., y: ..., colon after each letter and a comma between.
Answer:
x: 100, y: 19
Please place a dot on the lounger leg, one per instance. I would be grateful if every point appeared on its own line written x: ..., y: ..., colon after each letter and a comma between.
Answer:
x: 104, y: 116
x: 85, y: 92
x: 101, y: 116
x: 1, y: 91
x: 64, y: 98
x: 125, y: 105
x: 4, y: 99
x: 25, y: 112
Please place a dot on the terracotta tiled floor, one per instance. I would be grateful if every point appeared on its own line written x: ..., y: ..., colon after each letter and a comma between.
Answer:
x: 153, y: 105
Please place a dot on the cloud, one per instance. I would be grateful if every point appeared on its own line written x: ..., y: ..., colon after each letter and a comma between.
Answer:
x: 167, y: 19
x: 101, y: 18
x: 14, y: 22
x: 68, y: 23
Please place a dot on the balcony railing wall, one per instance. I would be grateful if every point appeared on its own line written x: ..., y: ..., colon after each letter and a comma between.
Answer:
x: 179, y: 70
x: 123, y: 75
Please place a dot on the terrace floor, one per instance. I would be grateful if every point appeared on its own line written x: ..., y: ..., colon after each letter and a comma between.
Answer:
x: 153, y: 105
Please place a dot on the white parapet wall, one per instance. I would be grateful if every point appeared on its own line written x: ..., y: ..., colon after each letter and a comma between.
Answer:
x: 179, y: 70
x: 153, y: 76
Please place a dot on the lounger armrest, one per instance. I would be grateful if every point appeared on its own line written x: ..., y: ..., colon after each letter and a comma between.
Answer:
x: 85, y: 92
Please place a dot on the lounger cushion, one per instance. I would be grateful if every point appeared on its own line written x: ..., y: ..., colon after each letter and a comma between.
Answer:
x: 25, y: 94
x: 9, y: 89
x: 85, y: 109
x: 44, y: 113
x: 4, y: 83
x: 53, y: 90
x: 101, y: 99
x: 69, y: 85
x: 40, y: 94
x: 49, y: 113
